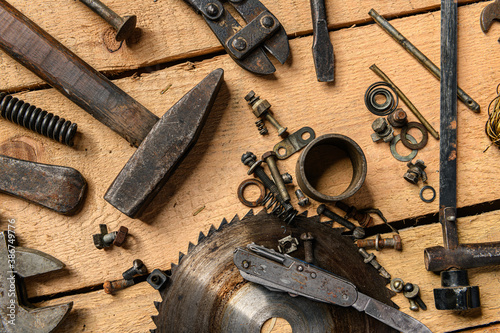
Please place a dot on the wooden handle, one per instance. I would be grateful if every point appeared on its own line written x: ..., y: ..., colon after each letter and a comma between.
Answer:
x: 34, y: 48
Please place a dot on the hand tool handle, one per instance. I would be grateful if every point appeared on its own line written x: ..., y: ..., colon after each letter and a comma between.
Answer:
x: 55, y: 187
x: 54, y: 63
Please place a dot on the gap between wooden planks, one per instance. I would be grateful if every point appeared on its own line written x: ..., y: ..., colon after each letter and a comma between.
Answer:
x: 171, y: 30
x: 130, y: 309
x: 211, y: 173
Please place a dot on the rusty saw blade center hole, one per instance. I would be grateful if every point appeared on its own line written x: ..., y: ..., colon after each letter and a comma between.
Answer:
x: 275, y: 325
x: 329, y: 169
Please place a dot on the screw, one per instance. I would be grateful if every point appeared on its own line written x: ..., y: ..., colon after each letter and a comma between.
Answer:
x: 357, y: 232
x: 308, y: 239
x: 379, y: 243
x: 267, y: 21
x: 300, y: 268
x: 287, y: 178
x: 364, y: 219
x: 398, y: 118
x: 369, y: 258
x: 383, y: 131
x: 250, y: 160
x: 138, y: 268
x: 411, y: 291
x: 270, y: 159
x: 239, y: 44
x: 397, y: 285
x: 245, y: 264
x: 110, y: 287
x: 261, y: 110
x: 415, y: 172
x: 123, y: 25
x: 303, y: 200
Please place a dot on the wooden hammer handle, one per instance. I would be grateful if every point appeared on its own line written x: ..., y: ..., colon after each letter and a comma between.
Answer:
x: 34, y: 48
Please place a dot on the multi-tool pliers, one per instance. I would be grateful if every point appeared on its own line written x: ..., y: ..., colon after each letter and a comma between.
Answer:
x: 246, y: 44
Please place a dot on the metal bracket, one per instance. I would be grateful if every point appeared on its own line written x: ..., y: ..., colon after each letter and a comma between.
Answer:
x: 293, y: 143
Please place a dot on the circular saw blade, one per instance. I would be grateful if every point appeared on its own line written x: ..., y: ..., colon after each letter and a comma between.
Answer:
x: 206, y: 293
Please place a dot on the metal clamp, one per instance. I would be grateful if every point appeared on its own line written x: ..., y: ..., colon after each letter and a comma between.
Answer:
x: 293, y: 143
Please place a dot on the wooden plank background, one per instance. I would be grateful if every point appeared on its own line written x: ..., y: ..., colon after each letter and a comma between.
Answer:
x: 209, y: 176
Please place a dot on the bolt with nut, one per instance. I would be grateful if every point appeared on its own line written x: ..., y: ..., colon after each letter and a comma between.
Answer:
x: 398, y: 118
x: 379, y: 243
x: 261, y: 108
x: 415, y: 172
x: 105, y: 239
x: 383, y: 130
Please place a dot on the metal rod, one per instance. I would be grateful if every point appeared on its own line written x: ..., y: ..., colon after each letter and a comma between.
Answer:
x: 322, y: 48
x: 405, y: 99
x: 426, y: 62
x: 448, y: 143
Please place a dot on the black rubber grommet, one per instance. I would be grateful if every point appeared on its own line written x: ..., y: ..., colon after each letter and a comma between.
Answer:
x: 427, y: 187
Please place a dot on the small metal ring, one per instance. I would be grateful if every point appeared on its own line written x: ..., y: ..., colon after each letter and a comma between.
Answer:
x: 241, y: 189
x: 379, y: 109
x: 421, y: 128
x: 395, y: 153
x: 427, y: 187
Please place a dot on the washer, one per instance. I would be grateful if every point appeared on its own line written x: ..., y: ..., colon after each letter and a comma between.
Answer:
x: 241, y: 189
x: 421, y: 128
x: 422, y: 190
x: 396, y: 155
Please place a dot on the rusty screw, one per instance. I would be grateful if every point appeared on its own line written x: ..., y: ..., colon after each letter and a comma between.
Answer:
x: 379, y: 243
x: 287, y: 178
x: 303, y: 200
x: 357, y: 232
x: 261, y: 108
x: 110, y: 287
x: 123, y: 25
x: 398, y: 118
x: 270, y: 159
x: 308, y: 239
x: 369, y: 258
x: 138, y: 268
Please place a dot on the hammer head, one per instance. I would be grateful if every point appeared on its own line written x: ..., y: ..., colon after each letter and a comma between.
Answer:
x: 490, y: 13
x: 166, y: 145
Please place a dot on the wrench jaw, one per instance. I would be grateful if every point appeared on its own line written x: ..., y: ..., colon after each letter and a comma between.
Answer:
x: 16, y: 313
x: 489, y: 14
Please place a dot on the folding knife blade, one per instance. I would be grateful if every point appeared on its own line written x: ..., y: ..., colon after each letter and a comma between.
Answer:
x: 281, y: 272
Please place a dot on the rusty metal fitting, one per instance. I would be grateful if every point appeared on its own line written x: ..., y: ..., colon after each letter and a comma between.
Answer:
x: 270, y: 159
x: 110, y: 287
x: 364, y: 219
x: 369, y: 258
x: 415, y: 172
x: 303, y: 200
x: 260, y: 108
x: 306, y: 171
x: 307, y: 239
x: 411, y: 291
x: 398, y: 118
x: 138, y: 268
x: 288, y: 244
x: 379, y: 243
x: 383, y: 130
x: 261, y: 127
x: 287, y: 178
x: 357, y: 232
x: 105, y: 239
x: 397, y: 285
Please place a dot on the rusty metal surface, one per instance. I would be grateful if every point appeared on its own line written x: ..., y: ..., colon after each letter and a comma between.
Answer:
x: 322, y: 48
x: 464, y: 256
x: 27, y: 263
x: 59, y: 188
x: 206, y: 292
x: 293, y: 143
x: 489, y: 14
x: 165, y: 147
x: 241, y: 192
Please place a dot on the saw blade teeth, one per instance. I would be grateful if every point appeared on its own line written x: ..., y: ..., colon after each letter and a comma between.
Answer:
x: 201, y: 236
x: 236, y: 218
x: 212, y: 230
x: 155, y: 320
x: 157, y: 305
x: 304, y: 213
x: 249, y: 214
x: 222, y: 224
x: 152, y: 331
x: 262, y: 212
x: 181, y: 255
x: 190, y: 247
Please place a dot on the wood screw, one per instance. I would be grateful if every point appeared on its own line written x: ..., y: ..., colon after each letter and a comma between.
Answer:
x: 138, y: 268
x: 124, y: 26
x: 110, y: 287
x: 369, y: 258
x: 307, y: 239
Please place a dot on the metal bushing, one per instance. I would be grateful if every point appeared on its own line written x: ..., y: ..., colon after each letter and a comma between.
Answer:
x: 306, y: 159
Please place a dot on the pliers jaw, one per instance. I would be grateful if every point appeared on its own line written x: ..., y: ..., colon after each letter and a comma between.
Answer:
x: 246, y: 44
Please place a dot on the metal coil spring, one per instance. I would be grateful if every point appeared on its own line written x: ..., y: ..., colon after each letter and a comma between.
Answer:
x: 261, y: 127
x: 37, y: 120
x: 277, y: 208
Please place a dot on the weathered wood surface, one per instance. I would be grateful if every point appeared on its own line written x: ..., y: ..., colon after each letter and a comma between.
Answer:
x: 130, y: 309
x: 209, y: 176
x: 168, y: 28
x: 211, y: 173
